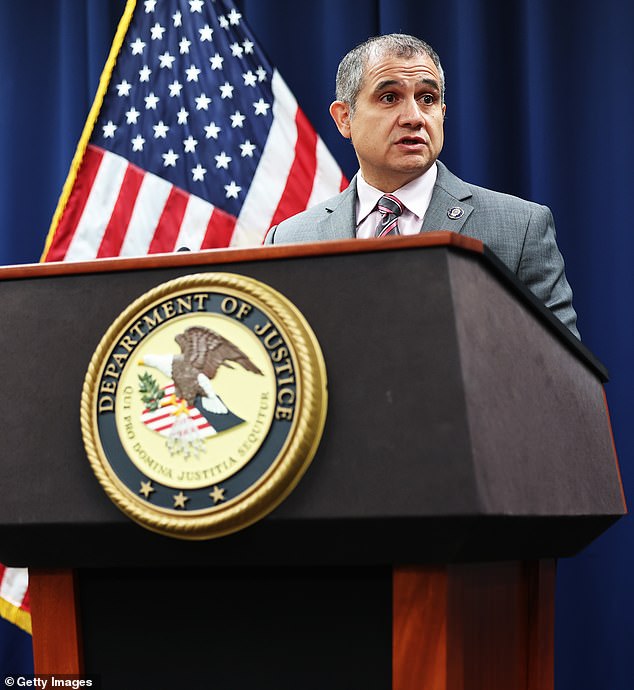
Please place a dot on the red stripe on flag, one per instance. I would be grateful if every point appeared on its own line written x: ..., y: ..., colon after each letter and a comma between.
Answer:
x: 26, y: 601
x: 299, y: 184
x: 169, y: 224
x: 344, y: 183
x: 162, y: 427
x: 151, y: 418
x: 69, y: 220
x: 219, y: 230
x: 120, y: 219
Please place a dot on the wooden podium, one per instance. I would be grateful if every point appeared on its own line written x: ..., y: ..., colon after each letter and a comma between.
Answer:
x: 467, y: 447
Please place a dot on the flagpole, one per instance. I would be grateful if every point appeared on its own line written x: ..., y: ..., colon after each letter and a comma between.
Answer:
x: 104, y: 82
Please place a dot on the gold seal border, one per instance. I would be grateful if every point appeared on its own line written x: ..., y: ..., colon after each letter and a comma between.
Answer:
x: 286, y: 469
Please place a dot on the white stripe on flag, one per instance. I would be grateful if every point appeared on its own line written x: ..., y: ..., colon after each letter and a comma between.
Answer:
x: 327, y: 178
x: 146, y: 214
x: 270, y: 178
x: 14, y: 585
x: 101, y: 201
x: 194, y: 225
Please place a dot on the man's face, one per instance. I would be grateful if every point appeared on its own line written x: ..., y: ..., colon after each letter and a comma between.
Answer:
x: 397, y: 125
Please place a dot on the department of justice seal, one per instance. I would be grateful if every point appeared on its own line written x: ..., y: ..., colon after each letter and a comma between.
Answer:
x: 203, y: 405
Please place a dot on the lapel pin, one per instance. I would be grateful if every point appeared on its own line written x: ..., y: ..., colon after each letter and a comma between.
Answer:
x: 455, y: 212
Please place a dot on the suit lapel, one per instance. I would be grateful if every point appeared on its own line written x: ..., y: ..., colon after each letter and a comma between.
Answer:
x: 340, y: 221
x: 448, y: 208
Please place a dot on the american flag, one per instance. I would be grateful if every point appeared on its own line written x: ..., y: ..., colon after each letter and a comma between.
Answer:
x: 163, y: 418
x: 14, y: 597
x: 193, y: 140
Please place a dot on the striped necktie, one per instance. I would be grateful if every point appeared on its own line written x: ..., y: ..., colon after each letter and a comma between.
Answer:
x: 390, y: 208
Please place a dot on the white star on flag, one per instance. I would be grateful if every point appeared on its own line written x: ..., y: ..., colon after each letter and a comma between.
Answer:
x: 237, y: 119
x: 160, y: 130
x: 175, y: 88
x: 202, y: 102
x: 247, y: 148
x: 192, y: 73
x: 166, y: 60
x: 157, y: 32
x: 206, y: 33
x: 151, y: 101
x: 123, y: 89
x: 109, y: 129
x: 212, y: 130
x: 170, y: 158
x: 226, y: 90
x: 232, y: 190
x: 222, y: 161
x: 145, y: 73
x: 216, y: 61
x: 137, y: 143
x: 137, y: 47
x: 189, y: 144
x: 234, y: 17
x: 198, y: 173
x: 261, y: 108
x: 132, y: 116
x: 181, y: 116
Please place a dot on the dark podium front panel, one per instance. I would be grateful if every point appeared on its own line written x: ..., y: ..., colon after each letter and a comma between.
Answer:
x: 464, y: 422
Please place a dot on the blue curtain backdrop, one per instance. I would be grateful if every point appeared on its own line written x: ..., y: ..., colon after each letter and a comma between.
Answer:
x: 540, y: 103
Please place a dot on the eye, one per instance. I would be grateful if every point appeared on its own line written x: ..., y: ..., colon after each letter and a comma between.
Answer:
x: 428, y: 99
x: 388, y: 98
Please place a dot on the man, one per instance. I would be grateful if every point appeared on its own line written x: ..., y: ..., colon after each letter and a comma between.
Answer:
x: 391, y: 105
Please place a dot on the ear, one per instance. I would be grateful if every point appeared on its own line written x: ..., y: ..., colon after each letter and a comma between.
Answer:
x: 444, y: 110
x: 340, y: 113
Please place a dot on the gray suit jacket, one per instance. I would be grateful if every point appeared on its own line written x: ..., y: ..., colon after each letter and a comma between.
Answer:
x: 520, y: 233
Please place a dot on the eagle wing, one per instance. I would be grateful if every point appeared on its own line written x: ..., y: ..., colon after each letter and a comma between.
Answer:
x: 206, y: 350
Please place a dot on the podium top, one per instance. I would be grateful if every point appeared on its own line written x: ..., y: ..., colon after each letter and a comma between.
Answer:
x: 219, y: 257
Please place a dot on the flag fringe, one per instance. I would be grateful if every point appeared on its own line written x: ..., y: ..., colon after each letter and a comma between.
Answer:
x: 104, y: 82
x: 16, y: 615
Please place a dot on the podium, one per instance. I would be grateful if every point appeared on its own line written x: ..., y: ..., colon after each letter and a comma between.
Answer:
x: 467, y: 446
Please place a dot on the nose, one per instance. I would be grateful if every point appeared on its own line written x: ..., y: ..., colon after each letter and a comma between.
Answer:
x: 410, y: 114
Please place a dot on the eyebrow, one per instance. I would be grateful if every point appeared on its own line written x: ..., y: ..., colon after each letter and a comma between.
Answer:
x: 387, y: 83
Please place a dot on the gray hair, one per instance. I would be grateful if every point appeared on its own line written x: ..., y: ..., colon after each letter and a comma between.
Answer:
x: 352, y: 67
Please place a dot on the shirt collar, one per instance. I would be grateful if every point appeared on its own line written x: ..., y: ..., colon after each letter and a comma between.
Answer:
x: 415, y: 195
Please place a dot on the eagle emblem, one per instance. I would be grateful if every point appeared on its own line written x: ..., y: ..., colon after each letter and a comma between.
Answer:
x: 188, y: 409
x: 203, y: 405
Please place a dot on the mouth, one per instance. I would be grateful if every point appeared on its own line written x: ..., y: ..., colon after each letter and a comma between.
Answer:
x: 411, y: 142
